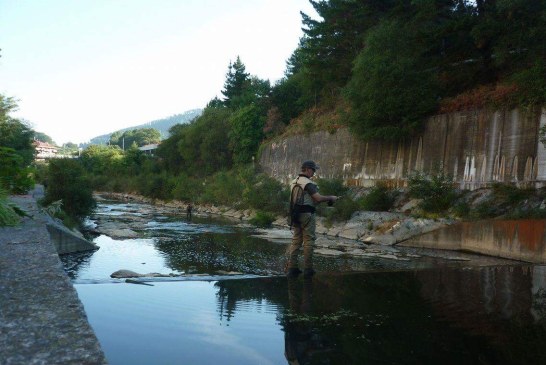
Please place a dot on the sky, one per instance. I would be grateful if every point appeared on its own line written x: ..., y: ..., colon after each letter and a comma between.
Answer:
x: 83, y: 68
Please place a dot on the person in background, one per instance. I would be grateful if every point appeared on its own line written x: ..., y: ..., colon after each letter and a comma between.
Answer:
x: 189, y: 209
x: 304, y: 197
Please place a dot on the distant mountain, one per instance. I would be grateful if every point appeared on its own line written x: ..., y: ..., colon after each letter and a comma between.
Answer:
x: 162, y: 125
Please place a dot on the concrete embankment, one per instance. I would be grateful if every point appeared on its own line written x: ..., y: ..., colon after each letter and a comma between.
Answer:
x: 523, y: 240
x: 42, y: 320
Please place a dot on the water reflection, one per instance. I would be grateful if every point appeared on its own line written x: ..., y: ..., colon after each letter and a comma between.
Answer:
x: 299, y: 341
x: 479, y: 315
x: 427, y: 310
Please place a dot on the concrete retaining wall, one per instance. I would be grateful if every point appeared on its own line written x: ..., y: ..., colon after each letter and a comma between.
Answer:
x: 523, y: 240
x: 476, y: 147
x: 42, y: 321
x: 66, y: 241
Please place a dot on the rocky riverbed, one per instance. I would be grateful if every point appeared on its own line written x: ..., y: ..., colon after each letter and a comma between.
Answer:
x: 366, y: 234
x: 384, y: 228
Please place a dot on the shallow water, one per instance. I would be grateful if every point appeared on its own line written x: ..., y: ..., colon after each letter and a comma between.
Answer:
x: 424, y: 311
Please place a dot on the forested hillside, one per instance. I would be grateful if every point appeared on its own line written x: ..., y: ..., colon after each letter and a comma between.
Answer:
x: 161, y: 125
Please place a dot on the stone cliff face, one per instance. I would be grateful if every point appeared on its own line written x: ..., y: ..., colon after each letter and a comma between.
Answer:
x: 477, y: 148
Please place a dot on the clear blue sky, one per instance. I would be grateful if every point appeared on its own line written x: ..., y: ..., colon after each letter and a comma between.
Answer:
x: 82, y: 68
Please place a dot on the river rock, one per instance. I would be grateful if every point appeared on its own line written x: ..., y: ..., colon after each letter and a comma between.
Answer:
x: 119, y: 233
x: 131, y: 274
x: 125, y: 274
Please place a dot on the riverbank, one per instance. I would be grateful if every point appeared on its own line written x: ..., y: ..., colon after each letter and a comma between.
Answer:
x: 383, y: 228
x: 42, y: 320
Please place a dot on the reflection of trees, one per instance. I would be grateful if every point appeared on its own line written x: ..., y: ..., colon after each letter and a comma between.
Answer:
x: 72, y: 262
x: 453, y: 314
x: 210, y: 252
x: 495, y: 303
x: 232, y: 292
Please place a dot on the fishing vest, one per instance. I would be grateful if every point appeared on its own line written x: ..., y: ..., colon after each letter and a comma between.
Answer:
x: 302, y: 181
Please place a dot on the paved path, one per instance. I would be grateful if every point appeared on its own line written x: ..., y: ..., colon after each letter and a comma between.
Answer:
x: 42, y: 321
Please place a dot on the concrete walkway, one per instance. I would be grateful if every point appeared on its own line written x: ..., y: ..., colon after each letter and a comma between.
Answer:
x: 42, y: 321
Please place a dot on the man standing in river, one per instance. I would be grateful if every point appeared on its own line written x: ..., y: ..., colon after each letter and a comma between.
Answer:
x: 304, y: 197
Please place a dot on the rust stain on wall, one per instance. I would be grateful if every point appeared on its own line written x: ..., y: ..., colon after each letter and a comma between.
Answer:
x: 523, y: 240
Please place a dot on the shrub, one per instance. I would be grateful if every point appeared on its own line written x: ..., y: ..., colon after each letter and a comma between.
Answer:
x: 379, y: 198
x: 332, y: 187
x: 187, y: 188
x: 67, y: 182
x: 267, y: 194
x: 436, y: 191
x: 8, y: 216
x: 510, y: 194
x: 14, y: 175
x: 223, y: 188
x: 262, y: 219
x: 156, y: 186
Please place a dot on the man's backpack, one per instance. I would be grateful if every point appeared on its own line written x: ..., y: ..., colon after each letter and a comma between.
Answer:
x: 296, y: 201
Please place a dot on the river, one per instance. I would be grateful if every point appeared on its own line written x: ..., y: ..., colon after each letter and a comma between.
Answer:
x: 397, y: 306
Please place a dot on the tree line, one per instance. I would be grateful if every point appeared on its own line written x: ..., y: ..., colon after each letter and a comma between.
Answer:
x: 380, y: 67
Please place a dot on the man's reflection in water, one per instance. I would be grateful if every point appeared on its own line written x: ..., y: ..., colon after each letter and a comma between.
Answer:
x: 299, y: 341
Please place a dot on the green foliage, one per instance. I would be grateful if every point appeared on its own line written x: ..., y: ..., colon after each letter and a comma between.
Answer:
x: 531, y: 83
x: 344, y: 208
x: 223, y: 188
x: 201, y: 147
x: 42, y: 137
x: 140, y: 137
x: 332, y: 187
x: 15, y: 176
x: 326, y: 54
x: 14, y: 133
x: 265, y: 193
x: 436, y: 191
x: 379, y: 198
x: 391, y: 90
x: 8, y: 216
x: 157, y: 185
x: 262, y: 219
x: 67, y: 182
x: 246, y: 133
x: 236, y: 85
x: 287, y: 96
x: 102, y: 160
x: 187, y: 188
x: 510, y: 194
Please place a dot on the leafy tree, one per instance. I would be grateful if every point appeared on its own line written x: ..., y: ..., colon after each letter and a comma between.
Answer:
x: 436, y: 190
x: 287, y: 97
x: 140, y: 136
x: 67, y: 182
x: 15, y: 176
x: 331, y: 44
x: 201, y: 147
x: 246, y: 133
x: 236, y: 85
x: 390, y: 91
x: 15, y: 133
x: 102, y: 160
x: 70, y: 145
x: 42, y: 137
x: 8, y: 215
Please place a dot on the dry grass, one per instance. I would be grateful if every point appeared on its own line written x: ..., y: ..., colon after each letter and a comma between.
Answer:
x: 500, y: 95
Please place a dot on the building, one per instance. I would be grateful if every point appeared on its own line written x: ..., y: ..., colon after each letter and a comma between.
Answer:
x: 44, y: 150
x: 149, y: 149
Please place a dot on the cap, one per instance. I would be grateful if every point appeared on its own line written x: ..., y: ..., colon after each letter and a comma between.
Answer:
x: 310, y: 164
